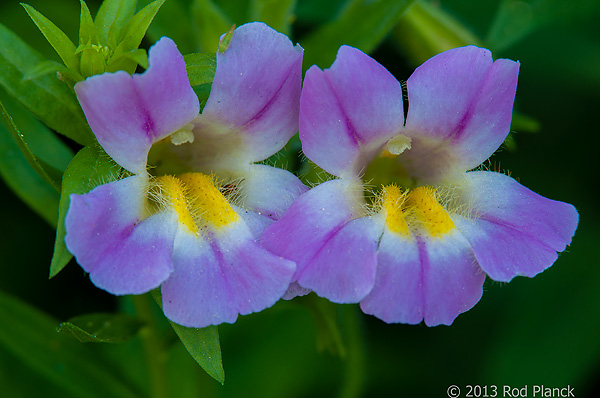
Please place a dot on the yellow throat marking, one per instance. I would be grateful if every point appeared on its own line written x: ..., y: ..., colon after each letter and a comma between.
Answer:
x: 406, y: 211
x: 393, y: 202
x: 197, y: 201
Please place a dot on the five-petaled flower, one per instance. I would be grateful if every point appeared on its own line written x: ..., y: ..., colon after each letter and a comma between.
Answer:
x: 192, y: 226
x: 423, y: 246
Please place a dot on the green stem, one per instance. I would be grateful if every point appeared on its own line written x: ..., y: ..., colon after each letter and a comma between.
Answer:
x: 354, y: 377
x: 155, y: 355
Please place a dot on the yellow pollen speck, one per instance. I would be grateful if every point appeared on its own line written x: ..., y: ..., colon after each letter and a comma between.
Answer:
x: 429, y: 212
x: 207, y: 200
x: 395, y: 218
x: 174, y: 192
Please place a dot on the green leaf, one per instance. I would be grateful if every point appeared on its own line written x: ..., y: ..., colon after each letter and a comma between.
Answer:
x: 52, y: 154
x: 425, y: 30
x: 51, y: 67
x: 61, y: 43
x: 92, y: 62
x: 128, y: 61
x: 17, y: 379
x: 361, y: 23
x: 202, y: 344
x: 47, y: 147
x: 289, y: 157
x: 111, y: 20
x: 88, y: 33
x: 225, y: 40
x: 31, y: 336
x: 101, y: 328
x: 138, y: 25
x: 46, y: 97
x: 46, y: 172
x: 24, y: 181
x: 515, y: 19
x: 200, y: 67
x: 132, y: 37
x: 89, y: 168
x: 278, y: 14
x: 522, y: 123
x: 174, y: 21
x: 210, y: 23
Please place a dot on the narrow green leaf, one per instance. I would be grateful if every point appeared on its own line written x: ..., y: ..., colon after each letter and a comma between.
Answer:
x: 101, y: 328
x: 43, y: 142
x: 136, y: 29
x: 24, y: 181
x: 51, y: 67
x: 278, y: 14
x: 92, y: 62
x: 425, y: 30
x: 210, y: 23
x: 52, y: 154
x: 17, y: 379
x: 129, y: 61
x: 46, y: 97
x: 31, y: 336
x: 174, y: 20
x: 202, y: 344
x: 225, y: 40
x: 200, y: 67
x: 361, y: 23
x: 524, y: 123
x: 515, y: 20
x: 88, y: 33
x: 89, y: 168
x: 48, y: 176
x: 111, y: 20
x: 61, y: 43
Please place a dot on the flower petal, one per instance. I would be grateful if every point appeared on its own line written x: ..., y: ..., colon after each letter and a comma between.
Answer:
x: 128, y: 113
x: 453, y: 283
x: 343, y: 269
x: 217, y: 278
x: 295, y: 290
x: 311, y: 219
x: 269, y: 190
x: 256, y: 91
x: 461, y: 100
x: 434, y: 279
x: 197, y: 295
x: 255, y: 222
x: 348, y: 111
x: 122, y: 254
x: 514, y: 231
x: 397, y: 295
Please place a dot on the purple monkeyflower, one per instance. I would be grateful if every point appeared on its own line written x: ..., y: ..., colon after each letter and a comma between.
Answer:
x: 420, y: 249
x: 191, y: 226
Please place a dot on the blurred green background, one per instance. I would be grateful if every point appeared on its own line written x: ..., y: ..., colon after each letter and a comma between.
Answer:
x: 536, y: 331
